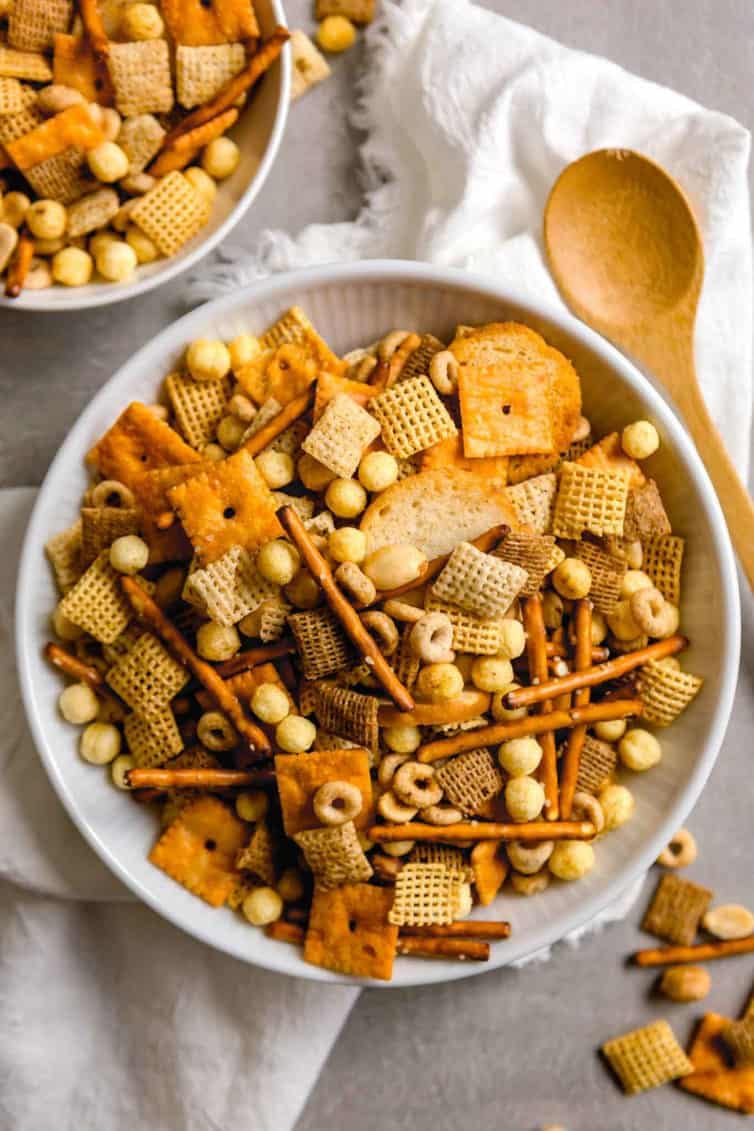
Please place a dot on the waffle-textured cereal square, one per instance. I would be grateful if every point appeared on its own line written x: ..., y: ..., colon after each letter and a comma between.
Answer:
x: 412, y: 417
x: 452, y: 858
x: 97, y: 603
x: 470, y: 780
x: 92, y: 212
x: 713, y: 1078
x: 32, y: 24
x: 200, y: 24
x: 322, y: 644
x: 349, y: 932
x: 199, y: 849
x: 589, y: 499
x: 426, y: 894
x: 230, y: 587
x: 23, y: 121
x: 663, y: 560
x: 676, y: 910
x: 63, y: 552
x: 11, y: 96
x: 152, y: 739
x: 357, y: 11
x: 534, y: 500
x: 607, y: 576
x: 62, y: 177
x: 147, y: 677
x: 74, y: 65
x: 596, y: 765
x: 308, y: 64
x: 171, y: 213
x: 538, y: 554
x: 100, y: 526
x: 646, y: 516
x: 273, y: 619
x: 30, y: 65
x: 74, y: 128
x: 299, y: 777
x: 349, y: 714
x: 417, y: 363
x: 140, y: 74
x: 200, y: 72
x: 140, y: 139
x: 341, y: 435
x: 334, y: 855
x: 608, y: 455
x: 478, y: 635
x: 138, y: 442
x: 199, y: 406
x: 647, y: 1057
x: 665, y: 692
x: 260, y: 855
x: 479, y: 583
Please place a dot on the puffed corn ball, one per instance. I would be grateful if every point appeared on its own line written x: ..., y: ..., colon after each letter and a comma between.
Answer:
x: 230, y: 432
x: 500, y: 712
x: 14, y: 207
x: 621, y: 623
x: 278, y: 561
x: 512, y: 639
x: 617, y: 804
x: 347, y: 544
x: 208, y: 359
x: 491, y: 673
x: 524, y: 798
x: 100, y: 743
x: 335, y: 34
x: 291, y: 886
x: 599, y: 627
x: 640, y: 439
x: 129, y: 554
x: 241, y: 407
x: 552, y: 609
x: 98, y: 240
x: 520, y: 756
x: 397, y: 847
x: 108, y: 162
x: 276, y: 468
x: 46, y: 219
x: 303, y: 591
x: 639, y: 749
x: 116, y: 261
x: 270, y: 703
x: 217, y: 642
x: 295, y: 734
x: 220, y: 158
x: 403, y: 739
x: 610, y: 730
x: 244, y: 347
x: 262, y: 906
x: 378, y: 471
x: 207, y: 189
x: 63, y: 627
x: 313, y: 474
x: 72, y: 267
x: 141, y: 22
x: 252, y: 805
x: 438, y: 682
x: 346, y: 497
x: 571, y: 859
x: 572, y: 579
x: 146, y: 250
x: 633, y: 581
x: 78, y: 704
x: 119, y: 768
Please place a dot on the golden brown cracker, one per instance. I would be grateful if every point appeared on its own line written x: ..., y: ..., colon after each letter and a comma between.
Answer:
x: 281, y: 374
x: 713, y: 1077
x: 138, y: 442
x: 202, y: 24
x: 73, y: 128
x: 199, y: 849
x: 299, y: 776
x: 349, y: 932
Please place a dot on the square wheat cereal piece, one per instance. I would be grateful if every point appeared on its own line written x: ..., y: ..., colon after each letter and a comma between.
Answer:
x: 596, y: 766
x: 199, y: 849
x: 334, y: 855
x: 663, y: 559
x: 63, y: 552
x: 412, y: 416
x: 452, y: 858
x: 535, y: 553
x: 199, y: 406
x: 307, y: 704
x: 333, y: 741
x: 713, y: 1078
x: 341, y: 435
x: 138, y: 442
x: 147, y: 677
x: 115, y: 651
x: 200, y: 72
x: 32, y: 24
x: 665, y: 692
x: 739, y: 1038
x: 11, y: 97
x: 607, y: 576
x: 92, y: 212
x: 589, y: 499
x: 152, y: 739
x: 308, y: 64
x: 74, y: 128
x: 357, y: 11
x: 349, y: 932
x: 74, y: 65
x: 97, y: 602
x: 349, y: 714
x: 478, y: 635
x: 295, y: 328
x: 646, y: 1058
x: 646, y: 516
x: 534, y: 500
x: 229, y: 504
x: 425, y: 894
x: 23, y: 121
x: 229, y: 588
x: 62, y: 178
x: 676, y: 910
x: 470, y: 780
x: 608, y: 455
x: 479, y: 583
x: 404, y: 662
x: 302, y: 504
x: 260, y: 855
x: 196, y: 23
x: 140, y: 74
x: 352, y: 676
x: 299, y: 776
x: 140, y: 139
x: 322, y: 523
x: 171, y: 213
x: 273, y: 619
x: 28, y: 65
x: 321, y: 642
x: 100, y: 526
x: 418, y: 361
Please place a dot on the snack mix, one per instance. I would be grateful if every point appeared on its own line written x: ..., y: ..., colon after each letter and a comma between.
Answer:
x: 375, y: 635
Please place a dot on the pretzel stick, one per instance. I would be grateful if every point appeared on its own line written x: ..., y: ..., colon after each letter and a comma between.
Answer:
x: 488, y: 830
x: 71, y: 666
x: 534, y: 626
x: 293, y: 411
x: 701, y: 952
x: 461, y: 929
x: 20, y: 265
x: 198, y: 779
x: 284, y: 931
x: 173, y: 158
x: 347, y: 616
x: 559, y: 650
x: 252, y: 657
x: 468, y: 705
x: 582, y: 619
x: 152, y: 615
x: 469, y: 950
x: 593, y: 676
x: 95, y: 29
x: 533, y: 724
x: 399, y: 359
x: 484, y: 542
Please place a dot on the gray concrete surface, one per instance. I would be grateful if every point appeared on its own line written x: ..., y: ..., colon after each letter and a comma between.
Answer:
x: 508, y: 1050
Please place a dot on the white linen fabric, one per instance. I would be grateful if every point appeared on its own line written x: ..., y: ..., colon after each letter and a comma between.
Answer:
x: 109, y: 1017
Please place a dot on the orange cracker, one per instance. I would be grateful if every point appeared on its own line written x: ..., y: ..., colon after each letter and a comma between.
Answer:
x: 295, y: 327
x: 608, y: 455
x: 299, y: 776
x: 73, y: 128
x: 74, y: 65
x: 138, y: 442
x: 449, y: 453
x: 199, y: 849
x: 349, y: 932
x: 713, y: 1078
x: 185, y: 148
x: 281, y: 374
x: 198, y: 24
x: 330, y: 385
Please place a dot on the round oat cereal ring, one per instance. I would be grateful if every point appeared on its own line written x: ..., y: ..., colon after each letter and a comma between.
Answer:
x: 528, y: 859
x: 382, y: 628
x: 390, y: 343
x: 359, y: 589
x: 389, y: 763
x: 112, y: 493
x: 443, y: 373
x: 402, y: 611
x: 336, y: 802
x: 415, y: 784
x: 392, y: 810
x: 653, y: 614
x: 680, y: 852
x: 441, y: 815
x: 586, y: 807
x: 215, y: 732
x: 431, y: 639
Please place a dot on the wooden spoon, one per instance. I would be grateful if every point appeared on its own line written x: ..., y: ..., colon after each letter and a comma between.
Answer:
x: 626, y: 252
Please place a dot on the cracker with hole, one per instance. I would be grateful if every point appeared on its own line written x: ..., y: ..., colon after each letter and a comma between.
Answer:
x: 714, y: 1078
x: 74, y: 65
x: 200, y: 847
x: 280, y: 374
x: 299, y: 776
x: 138, y: 442
x: 349, y: 932
x: 74, y: 128
x: 204, y: 23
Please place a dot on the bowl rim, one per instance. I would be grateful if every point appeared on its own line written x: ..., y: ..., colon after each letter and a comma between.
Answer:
x: 403, y: 272
x: 35, y: 302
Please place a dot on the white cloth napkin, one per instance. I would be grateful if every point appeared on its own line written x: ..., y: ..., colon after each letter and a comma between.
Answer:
x: 109, y: 1017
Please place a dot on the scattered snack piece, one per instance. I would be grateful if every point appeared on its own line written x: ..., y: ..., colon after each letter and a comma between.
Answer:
x: 685, y: 983
x: 713, y: 1078
x: 200, y: 847
x: 676, y: 910
x: 680, y: 851
x: 309, y: 65
x: 646, y: 1058
x: 729, y: 921
x: 349, y: 931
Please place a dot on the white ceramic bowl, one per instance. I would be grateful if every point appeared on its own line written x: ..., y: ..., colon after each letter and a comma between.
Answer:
x: 352, y: 305
x: 258, y: 132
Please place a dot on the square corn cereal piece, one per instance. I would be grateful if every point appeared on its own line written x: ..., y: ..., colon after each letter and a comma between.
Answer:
x: 596, y: 766
x: 140, y: 139
x: 23, y: 121
x: 147, y: 677
x: 199, y: 406
x: 404, y: 662
x: 357, y: 11
x: 136, y: 443
x: 534, y: 500
x: 663, y: 559
x: 74, y: 128
x: 92, y: 212
x: 341, y: 435
x: 294, y: 328
x: 608, y: 455
x: 536, y: 553
x: 11, y: 97
x: 714, y: 1078
x: 665, y: 692
x: 171, y: 213
x: 478, y: 635
x: 607, y: 576
x: 334, y: 855
x: 152, y: 739
x: 100, y: 526
x: 63, y: 552
x: 199, y: 849
x: 349, y: 932
x: 115, y: 651
x: 230, y: 587
x: 28, y: 65
x: 412, y: 416
x: 32, y: 24
x: 299, y: 776
x: 229, y: 504
x: 260, y: 855
x: 197, y: 23
x: 646, y: 1058
x: 309, y: 65
x: 140, y: 74
x: 739, y: 1038
x: 97, y: 602
x: 322, y: 644
x: 479, y: 583
x: 273, y: 619
x: 349, y: 714
x: 452, y: 858
x: 646, y: 516
x: 200, y: 72
x: 74, y: 65
x: 62, y: 178
x: 676, y: 910
x: 589, y: 499
x: 470, y: 780
x: 426, y: 894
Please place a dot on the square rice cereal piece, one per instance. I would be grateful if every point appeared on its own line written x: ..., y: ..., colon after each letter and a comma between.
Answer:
x: 479, y: 583
x: 171, y: 213
x: 199, y: 849
x: 665, y: 692
x: 97, y: 602
x: 152, y: 739
x: 322, y: 644
x: 478, y: 635
x: 538, y: 554
x: 197, y: 23
x: 28, y: 65
x: 646, y: 1058
x: 62, y: 178
x: 11, y: 97
x: 230, y: 587
x: 74, y: 128
x: 138, y: 442
x: 227, y: 505
x: 663, y: 559
x: 273, y: 619
x: 646, y: 516
x: 412, y: 416
x: 349, y: 714
x: 608, y: 455
x: 589, y: 499
x: 140, y: 139
x: 294, y: 328
x: 32, y: 24
x: 349, y: 932
x: 357, y: 11
x: 607, y: 576
x: 676, y: 910
x: 334, y: 855
x: 596, y: 766
x: 200, y: 72
x: 147, y: 677
x: 470, y: 780
x: 426, y: 894
x: 63, y: 552
x: 140, y: 74
x: 74, y: 65
x: 92, y: 212
x: 302, y: 504
x: 299, y: 776
x: 714, y: 1078
x: 739, y: 1037
x: 534, y: 500
x: 260, y: 855
x: 23, y: 121
x: 418, y: 361
x: 198, y: 406
x: 100, y: 526
x: 341, y: 435
x: 309, y: 64
x: 452, y: 858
